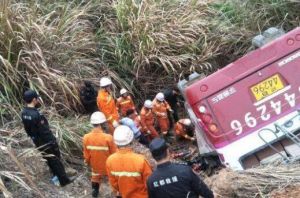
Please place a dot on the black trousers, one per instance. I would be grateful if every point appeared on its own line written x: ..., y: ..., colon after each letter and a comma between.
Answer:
x: 143, y: 140
x: 51, y: 153
x: 95, y: 188
x: 173, y: 117
x: 175, y: 114
x: 90, y: 106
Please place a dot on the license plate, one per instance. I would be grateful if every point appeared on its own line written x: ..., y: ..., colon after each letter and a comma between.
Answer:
x: 267, y: 87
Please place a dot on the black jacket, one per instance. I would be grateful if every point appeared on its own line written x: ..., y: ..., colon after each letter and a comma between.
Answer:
x: 171, y: 180
x: 37, y: 127
x: 170, y: 97
x: 88, y: 96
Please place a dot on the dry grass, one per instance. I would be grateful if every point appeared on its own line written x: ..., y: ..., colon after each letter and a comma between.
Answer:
x: 22, y: 165
x: 48, y: 51
x: 53, y: 47
x: 157, y: 42
x: 143, y: 45
x: 256, y: 182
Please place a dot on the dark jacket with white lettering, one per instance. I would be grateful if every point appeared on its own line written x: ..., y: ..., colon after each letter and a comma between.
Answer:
x: 37, y: 127
x: 171, y: 180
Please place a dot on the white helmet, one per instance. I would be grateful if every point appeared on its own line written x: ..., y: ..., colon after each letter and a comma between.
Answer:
x: 148, y: 104
x: 160, y: 97
x: 97, y: 118
x: 123, y: 91
x: 105, y: 82
x: 123, y: 135
x: 187, y: 122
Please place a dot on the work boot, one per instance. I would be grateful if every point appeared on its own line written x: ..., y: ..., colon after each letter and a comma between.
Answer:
x: 69, y: 181
x: 95, y: 189
x: 95, y: 193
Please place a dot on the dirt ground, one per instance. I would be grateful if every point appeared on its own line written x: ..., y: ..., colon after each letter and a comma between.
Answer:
x: 288, y: 192
x: 38, y: 171
x: 225, y: 183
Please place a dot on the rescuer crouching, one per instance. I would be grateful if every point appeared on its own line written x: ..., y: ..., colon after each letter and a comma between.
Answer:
x: 184, y: 130
x: 132, y: 124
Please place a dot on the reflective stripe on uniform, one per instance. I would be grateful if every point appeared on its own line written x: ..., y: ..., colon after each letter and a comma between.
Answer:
x: 95, y: 174
x: 109, y: 118
x: 108, y: 99
x: 97, y: 148
x: 125, y: 102
x: 126, y: 174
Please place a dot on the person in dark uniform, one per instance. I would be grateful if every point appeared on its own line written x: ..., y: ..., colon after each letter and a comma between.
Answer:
x: 172, y: 96
x: 88, y: 97
x: 37, y: 128
x: 172, y: 180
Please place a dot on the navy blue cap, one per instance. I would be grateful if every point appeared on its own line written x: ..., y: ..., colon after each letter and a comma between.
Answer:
x: 29, y: 95
x: 158, y: 146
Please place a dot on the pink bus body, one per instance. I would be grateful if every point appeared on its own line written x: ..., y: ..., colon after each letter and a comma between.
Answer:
x: 236, y: 108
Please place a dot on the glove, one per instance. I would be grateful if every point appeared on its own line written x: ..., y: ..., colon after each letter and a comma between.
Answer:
x: 86, y: 163
x: 115, y: 124
x: 171, y: 110
x: 149, y: 132
x: 193, y: 139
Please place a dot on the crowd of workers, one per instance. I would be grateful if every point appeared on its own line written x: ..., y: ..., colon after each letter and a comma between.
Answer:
x: 107, y: 147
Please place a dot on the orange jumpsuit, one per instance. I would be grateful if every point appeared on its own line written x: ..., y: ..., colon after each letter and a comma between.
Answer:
x: 106, y: 104
x: 147, y: 122
x: 180, y: 130
x: 137, y: 121
x: 124, y: 104
x: 97, y: 147
x: 128, y: 172
x: 161, y: 112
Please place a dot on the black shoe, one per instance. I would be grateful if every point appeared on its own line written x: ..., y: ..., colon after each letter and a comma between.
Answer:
x: 95, y: 193
x: 95, y: 187
x: 69, y: 181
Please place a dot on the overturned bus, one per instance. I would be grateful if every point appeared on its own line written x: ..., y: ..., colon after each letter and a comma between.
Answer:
x: 248, y: 113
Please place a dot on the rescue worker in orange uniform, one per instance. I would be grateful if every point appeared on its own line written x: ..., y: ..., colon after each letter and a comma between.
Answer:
x: 125, y: 102
x: 160, y: 109
x: 147, y: 120
x: 135, y: 117
x: 107, y: 105
x: 184, y: 130
x: 127, y: 171
x: 97, y: 147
